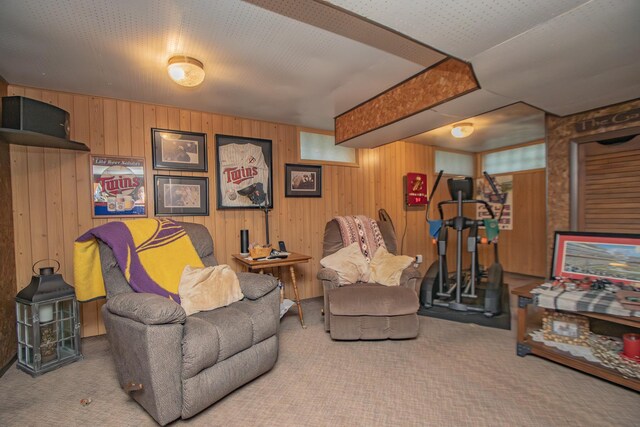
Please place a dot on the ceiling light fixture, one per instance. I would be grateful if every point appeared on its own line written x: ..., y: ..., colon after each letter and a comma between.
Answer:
x: 462, y: 130
x: 186, y: 71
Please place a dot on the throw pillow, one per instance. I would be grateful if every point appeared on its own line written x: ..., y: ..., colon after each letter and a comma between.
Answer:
x: 386, y: 268
x: 349, y: 263
x: 208, y: 288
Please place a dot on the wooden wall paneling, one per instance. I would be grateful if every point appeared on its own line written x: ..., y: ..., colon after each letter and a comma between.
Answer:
x: 124, y: 128
x: 149, y: 122
x: 81, y: 131
x: 7, y: 254
x: 137, y: 130
x: 522, y: 250
x: 110, y: 123
x: 20, y: 202
x: 123, y: 110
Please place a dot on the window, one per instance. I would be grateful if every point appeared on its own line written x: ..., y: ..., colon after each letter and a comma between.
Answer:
x: 454, y: 163
x: 516, y: 159
x: 321, y: 147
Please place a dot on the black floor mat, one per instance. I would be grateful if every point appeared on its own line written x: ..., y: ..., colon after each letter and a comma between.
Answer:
x: 501, y: 321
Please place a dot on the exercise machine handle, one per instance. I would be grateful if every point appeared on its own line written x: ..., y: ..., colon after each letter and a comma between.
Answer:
x: 433, y: 190
x: 491, y: 183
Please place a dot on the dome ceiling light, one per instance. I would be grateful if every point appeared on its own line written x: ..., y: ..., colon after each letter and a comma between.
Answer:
x: 185, y: 71
x: 462, y: 130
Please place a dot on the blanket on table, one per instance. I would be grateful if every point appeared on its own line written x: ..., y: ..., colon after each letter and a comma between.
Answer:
x: 361, y: 229
x: 604, y: 302
x: 152, y: 253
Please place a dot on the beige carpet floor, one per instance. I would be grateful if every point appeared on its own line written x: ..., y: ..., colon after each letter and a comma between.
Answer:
x: 453, y: 374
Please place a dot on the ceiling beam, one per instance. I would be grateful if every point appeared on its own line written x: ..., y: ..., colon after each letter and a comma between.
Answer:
x: 440, y: 83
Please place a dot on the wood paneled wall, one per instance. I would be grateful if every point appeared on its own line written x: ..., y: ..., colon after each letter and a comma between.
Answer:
x: 7, y: 261
x: 52, y: 188
x: 522, y: 250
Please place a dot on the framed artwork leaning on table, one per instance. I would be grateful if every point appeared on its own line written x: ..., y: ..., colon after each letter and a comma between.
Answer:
x: 610, y: 256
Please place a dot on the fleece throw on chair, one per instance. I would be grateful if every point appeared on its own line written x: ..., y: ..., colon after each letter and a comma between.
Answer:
x: 152, y: 253
x: 361, y: 229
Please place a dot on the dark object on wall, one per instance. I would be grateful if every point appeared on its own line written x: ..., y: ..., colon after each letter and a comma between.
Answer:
x: 181, y: 195
x: 179, y: 150
x: 48, y: 323
x: 302, y: 180
x: 33, y: 123
x: 245, y: 177
x: 244, y: 241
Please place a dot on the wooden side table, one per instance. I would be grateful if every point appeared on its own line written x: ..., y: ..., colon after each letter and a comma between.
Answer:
x: 290, y: 261
x: 525, y: 345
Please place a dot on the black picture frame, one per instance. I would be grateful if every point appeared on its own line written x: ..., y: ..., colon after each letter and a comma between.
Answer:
x: 179, y: 150
x: 302, y: 180
x: 181, y: 195
x: 242, y: 166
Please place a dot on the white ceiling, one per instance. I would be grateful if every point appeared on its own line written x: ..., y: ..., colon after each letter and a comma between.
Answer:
x: 305, y: 61
x: 510, y: 125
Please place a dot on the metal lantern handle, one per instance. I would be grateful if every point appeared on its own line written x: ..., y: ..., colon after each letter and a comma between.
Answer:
x: 33, y: 267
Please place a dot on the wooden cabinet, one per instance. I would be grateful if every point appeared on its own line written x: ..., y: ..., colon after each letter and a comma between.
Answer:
x: 525, y: 345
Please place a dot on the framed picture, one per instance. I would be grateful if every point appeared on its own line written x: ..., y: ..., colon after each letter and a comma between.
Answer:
x: 178, y: 150
x: 565, y: 328
x: 118, y: 187
x: 181, y: 195
x: 302, y: 180
x: 245, y: 179
x: 579, y: 255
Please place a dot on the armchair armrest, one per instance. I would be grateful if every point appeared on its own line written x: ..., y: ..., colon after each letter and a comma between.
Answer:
x: 329, y: 278
x: 411, y: 278
x: 256, y: 286
x: 146, y: 308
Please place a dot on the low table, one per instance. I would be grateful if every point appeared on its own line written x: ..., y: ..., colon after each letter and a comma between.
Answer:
x: 290, y: 261
x: 525, y: 345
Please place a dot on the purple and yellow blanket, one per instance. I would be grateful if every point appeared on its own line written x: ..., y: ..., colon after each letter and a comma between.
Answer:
x: 152, y: 253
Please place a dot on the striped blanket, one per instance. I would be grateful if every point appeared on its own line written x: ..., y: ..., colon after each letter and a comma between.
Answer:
x: 361, y: 229
x: 152, y: 253
x: 604, y: 302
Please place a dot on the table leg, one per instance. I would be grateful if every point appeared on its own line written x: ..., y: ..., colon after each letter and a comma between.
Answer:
x: 295, y: 290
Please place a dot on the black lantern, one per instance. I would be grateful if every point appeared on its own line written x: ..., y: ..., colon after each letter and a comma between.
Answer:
x: 47, y: 323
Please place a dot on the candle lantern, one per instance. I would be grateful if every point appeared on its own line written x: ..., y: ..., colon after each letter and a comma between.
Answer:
x: 48, y: 324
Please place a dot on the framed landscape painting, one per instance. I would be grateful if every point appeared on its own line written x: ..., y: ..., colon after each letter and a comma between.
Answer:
x: 579, y: 255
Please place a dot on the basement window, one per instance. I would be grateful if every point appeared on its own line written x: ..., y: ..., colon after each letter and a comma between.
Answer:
x: 453, y: 163
x: 321, y: 148
x: 516, y: 159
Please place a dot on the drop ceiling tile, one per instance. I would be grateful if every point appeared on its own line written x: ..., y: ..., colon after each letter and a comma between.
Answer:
x: 461, y: 28
x: 584, y: 59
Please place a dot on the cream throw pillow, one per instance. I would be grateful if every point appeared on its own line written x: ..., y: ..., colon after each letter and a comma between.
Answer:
x: 203, y: 289
x: 349, y: 263
x: 386, y: 268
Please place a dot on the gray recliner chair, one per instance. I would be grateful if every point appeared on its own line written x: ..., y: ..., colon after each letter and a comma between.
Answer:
x: 369, y: 311
x: 185, y: 364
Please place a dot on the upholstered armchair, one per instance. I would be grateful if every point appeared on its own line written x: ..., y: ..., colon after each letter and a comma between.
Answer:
x: 176, y: 365
x: 368, y: 310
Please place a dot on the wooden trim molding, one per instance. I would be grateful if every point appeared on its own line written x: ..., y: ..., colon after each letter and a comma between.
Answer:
x: 443, y: 82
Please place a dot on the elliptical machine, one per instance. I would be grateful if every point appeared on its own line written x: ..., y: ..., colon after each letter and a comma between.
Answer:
x: 441, y: 289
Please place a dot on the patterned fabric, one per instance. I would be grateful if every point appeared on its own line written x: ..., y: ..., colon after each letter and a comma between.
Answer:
x: 594, y: 301
x: 152, y: 253
x: 361, y: 229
